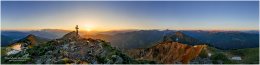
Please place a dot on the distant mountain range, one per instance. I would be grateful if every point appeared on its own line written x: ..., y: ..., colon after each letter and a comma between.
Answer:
x: 227, y: 39
x: 182, y: 38
x: 146, y: 38
x: 8, y: 37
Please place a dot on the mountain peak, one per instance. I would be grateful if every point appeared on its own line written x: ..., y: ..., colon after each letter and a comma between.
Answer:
x: 30, y: 36
x: 179, y: 34
x: 32, y: 40
x: 182, y: 38
x: 28, y: 39
x: 27, y: 42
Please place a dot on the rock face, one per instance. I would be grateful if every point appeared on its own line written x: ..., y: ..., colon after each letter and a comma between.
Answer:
x: 71, y: 49
x: 168, y: 52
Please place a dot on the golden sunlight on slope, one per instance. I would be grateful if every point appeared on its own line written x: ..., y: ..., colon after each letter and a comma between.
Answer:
x: 17, y: 47
x: 168, y: 53
x: 32, y: 39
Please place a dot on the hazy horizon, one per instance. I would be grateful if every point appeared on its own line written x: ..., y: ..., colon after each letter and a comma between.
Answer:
x: 121, y: 30
x: 105, y: 16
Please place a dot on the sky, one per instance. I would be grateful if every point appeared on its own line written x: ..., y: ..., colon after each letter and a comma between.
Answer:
x: 119, y: 15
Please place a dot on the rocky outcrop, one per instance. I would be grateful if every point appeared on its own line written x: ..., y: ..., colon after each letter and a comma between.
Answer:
x: 168, y: 52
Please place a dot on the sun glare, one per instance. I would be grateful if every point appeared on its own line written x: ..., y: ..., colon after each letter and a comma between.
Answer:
x: 88, y: 27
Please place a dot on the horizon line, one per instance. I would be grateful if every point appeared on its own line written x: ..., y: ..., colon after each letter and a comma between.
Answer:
x: 123, y: 29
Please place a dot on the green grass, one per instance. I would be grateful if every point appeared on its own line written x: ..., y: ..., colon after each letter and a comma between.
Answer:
x: 3, y: 51
x: 249, y: 55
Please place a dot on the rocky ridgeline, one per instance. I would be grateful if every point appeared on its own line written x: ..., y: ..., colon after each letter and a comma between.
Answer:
x: 168, y: 53
x: 174, y: 49
x: 71, y: 49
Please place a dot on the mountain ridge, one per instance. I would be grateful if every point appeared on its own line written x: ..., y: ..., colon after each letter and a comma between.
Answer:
x: 168, y: 52
x: 182, y: 38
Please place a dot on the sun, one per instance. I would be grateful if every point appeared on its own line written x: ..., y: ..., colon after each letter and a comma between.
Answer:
x: 88, y: 27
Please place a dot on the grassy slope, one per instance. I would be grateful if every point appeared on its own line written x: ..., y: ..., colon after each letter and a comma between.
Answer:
x: 249, y: 55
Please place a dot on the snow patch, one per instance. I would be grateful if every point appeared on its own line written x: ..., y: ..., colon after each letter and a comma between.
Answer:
x: 13, y: 52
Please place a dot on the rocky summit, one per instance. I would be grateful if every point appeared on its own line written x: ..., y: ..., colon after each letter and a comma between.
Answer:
x: 69, y: 49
